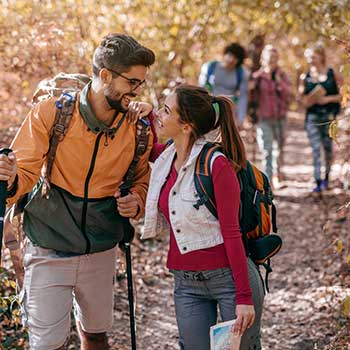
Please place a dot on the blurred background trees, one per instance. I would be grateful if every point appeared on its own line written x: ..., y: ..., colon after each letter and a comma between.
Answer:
x: 41, y: 38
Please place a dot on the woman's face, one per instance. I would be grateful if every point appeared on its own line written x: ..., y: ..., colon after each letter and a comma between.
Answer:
x: 315, y: 59
x: 167, y: 118
x: 270, y: 59
x: 273, y: 59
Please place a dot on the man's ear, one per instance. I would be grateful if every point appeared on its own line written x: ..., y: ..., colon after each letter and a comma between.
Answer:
x: 105, y: 76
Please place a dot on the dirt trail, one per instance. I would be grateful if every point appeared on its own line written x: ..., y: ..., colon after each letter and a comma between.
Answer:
x: 302, y: 309
x: 309, y: 279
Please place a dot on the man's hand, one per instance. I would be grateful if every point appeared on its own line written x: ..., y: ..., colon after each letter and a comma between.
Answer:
x: 8, y: 168
x: 138, y: 110
x: 245, y: 319
x: 127, y: 206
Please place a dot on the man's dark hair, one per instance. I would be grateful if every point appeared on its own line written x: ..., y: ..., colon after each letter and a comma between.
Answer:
x: 120, y: 52
x: 236, y: 50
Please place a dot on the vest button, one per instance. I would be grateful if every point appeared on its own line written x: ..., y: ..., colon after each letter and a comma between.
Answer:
x: 173, y: 212
x: 174, y: 193
x: 184, y: 169
x: 184, y: 249
x: 178, y: 230
x: 97, y: 129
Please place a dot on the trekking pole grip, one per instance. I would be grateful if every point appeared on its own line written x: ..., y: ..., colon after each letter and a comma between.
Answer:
x: 3, y: 192
x: 129, y: 231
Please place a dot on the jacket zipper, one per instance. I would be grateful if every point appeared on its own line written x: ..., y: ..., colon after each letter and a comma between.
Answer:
x: 86, y: 193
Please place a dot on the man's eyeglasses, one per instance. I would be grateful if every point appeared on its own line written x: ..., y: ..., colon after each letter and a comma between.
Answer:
x: 134, y: 83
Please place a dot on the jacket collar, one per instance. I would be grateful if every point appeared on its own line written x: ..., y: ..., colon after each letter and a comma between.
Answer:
x: 196, y: 149
x: 94, y: 124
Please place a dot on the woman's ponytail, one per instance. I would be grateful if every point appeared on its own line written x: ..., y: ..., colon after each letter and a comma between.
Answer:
x: 205, y: 113
x: 232, y: 144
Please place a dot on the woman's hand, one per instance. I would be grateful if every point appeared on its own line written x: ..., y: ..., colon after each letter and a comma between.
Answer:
x: 245, y: 319
x: 138, y: 110
x: 323, y: 100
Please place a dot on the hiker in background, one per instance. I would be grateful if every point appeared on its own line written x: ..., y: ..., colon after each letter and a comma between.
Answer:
x: 271, y: 92
x: 320, y: 96
x: 228, y: 77
x: 70, y: 253
x: 206, y: 255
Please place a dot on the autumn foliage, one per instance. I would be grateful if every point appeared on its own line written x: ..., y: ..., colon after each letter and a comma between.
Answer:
x: 39, y: 39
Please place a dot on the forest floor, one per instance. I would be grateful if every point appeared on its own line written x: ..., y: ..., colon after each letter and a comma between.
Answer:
x: 305, y: 308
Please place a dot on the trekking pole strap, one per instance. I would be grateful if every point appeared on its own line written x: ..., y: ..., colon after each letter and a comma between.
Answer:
x: 268, y: 271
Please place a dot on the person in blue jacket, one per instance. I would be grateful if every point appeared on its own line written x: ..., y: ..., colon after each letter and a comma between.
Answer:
x: 228, y: 77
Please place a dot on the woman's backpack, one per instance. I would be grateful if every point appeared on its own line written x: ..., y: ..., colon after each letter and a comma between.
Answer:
x: 257, y: 216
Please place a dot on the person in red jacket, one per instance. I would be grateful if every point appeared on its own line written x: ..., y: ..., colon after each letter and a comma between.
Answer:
x: 272, y: 94
x: 206, y: 255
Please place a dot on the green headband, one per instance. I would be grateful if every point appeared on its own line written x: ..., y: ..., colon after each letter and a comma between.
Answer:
x: 216, y: 109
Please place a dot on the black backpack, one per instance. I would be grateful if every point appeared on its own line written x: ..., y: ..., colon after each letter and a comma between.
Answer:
x: 257, y: 216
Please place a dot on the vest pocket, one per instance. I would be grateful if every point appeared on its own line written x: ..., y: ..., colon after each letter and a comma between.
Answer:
x: 194, y: 219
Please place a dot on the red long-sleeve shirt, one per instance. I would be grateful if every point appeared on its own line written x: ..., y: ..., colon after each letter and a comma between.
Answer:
x: 229, y: 254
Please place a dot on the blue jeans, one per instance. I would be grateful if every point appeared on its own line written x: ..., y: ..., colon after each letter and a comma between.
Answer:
x: 197, y: 295
x: 268, y: 131
x: 317, y: 126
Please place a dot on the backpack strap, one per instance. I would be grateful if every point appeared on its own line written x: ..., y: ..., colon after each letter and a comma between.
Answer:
x: 239, y: 78
x: 143, y: 127
x: 256, y: 90
x: 257, y: 196
x: 65, y: 108
x: 203, y: 178
x: 210, y: 72
x: 269, y: 201
x: 332, y: 75
x: 211, y: 68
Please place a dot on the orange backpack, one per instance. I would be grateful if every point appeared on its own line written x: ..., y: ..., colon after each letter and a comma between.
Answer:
x: 257, y: 216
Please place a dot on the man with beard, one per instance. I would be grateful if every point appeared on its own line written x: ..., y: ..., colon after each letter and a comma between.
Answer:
x: 70, y: 253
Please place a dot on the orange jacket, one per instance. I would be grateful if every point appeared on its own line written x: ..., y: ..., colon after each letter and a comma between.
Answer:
x: 74, y: 156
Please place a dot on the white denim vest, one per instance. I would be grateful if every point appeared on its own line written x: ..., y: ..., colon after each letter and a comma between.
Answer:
x: 193, y: 228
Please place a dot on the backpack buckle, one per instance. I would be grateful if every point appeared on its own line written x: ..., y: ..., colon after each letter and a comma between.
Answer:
x: 255, y: 195
x: 200, y: 201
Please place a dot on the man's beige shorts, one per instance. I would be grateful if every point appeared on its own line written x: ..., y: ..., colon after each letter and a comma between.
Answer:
x: 53, y: 283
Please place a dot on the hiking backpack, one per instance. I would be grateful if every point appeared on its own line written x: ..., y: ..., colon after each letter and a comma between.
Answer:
x: 211, y: 77
x: 257, y: 214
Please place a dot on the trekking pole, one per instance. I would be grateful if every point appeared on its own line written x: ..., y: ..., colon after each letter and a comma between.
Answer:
x: 130, y: 295
x: 3, y: 191
x: 128, y: 236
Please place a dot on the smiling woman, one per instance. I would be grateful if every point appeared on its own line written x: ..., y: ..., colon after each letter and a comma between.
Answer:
x: 206, y: 254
